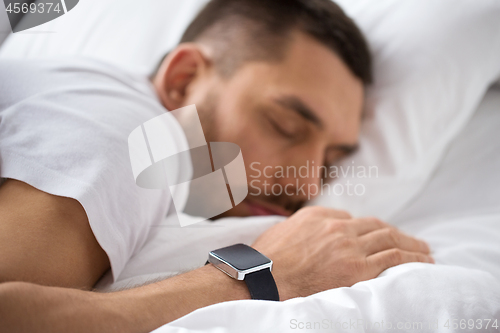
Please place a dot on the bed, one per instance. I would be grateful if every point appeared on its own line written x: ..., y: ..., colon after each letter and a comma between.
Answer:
x: 431, y: 129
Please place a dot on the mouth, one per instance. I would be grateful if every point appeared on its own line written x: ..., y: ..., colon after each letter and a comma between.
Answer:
x: 259, y: 208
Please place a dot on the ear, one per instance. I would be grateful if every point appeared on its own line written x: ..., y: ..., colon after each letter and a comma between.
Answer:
x: 178, y: 71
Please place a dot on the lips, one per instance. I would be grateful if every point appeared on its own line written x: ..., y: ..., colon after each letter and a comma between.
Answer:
x: 265, y: 209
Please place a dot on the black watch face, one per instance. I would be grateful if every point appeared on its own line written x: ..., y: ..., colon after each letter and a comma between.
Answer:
x: 241, y: 256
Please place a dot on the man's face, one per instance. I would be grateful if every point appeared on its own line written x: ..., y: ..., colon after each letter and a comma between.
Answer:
x: 302, y: 112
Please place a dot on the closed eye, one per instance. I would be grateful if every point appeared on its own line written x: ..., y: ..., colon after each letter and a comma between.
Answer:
x: 280, y: 130
x: 336, y: 153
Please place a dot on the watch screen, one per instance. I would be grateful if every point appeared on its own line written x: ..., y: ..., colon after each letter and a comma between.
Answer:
x: 241, y: 256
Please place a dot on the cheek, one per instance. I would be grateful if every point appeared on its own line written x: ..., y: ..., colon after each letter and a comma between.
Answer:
x: 258, y: 148
x: 247, y: 134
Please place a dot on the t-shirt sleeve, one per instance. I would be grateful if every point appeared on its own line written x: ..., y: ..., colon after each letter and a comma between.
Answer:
x: 64, y: 130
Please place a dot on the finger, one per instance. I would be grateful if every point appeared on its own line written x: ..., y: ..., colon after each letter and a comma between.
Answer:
x: 389, y: 238
x: 381, y: 261
x: 365, y: 225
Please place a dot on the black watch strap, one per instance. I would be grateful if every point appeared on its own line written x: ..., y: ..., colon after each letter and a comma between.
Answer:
x: 262, y: 286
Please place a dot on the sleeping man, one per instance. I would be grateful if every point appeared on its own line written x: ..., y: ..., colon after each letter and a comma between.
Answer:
x: 282, y: 79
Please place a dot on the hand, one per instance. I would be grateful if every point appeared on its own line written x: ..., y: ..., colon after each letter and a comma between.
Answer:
x: 318, y: 249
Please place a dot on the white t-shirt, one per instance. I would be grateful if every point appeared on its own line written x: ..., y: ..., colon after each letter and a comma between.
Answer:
x: 64, y: 127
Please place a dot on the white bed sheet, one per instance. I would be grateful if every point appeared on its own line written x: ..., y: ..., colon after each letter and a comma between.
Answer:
x: 458, y: 213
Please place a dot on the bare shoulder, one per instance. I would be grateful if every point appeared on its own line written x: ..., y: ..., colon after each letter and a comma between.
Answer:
x: 46, y: 239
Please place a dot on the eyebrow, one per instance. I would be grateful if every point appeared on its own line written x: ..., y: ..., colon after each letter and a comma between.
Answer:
x: 295, y: 104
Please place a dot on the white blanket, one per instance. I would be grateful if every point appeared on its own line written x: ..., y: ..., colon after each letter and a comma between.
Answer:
x: 407, y: 298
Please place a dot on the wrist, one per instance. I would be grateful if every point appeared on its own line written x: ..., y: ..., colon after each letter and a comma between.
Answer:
x: 227, y: 288
x: 282, y: 280
x: 162, y: 302
x: 284, y: 274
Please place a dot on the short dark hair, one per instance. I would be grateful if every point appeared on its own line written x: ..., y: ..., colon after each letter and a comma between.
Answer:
x: 253, y: 30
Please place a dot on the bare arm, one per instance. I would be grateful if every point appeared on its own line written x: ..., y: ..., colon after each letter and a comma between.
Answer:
x: 46, y: 239
x: 47, y: 247
x: 26, y: 307
x: 314, y: 250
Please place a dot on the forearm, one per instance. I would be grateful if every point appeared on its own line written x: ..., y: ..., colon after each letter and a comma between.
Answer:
x: 28, y: 307
x: 173, y: 298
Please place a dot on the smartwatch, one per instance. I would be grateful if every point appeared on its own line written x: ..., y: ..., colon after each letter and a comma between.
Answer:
x: 243, y: 262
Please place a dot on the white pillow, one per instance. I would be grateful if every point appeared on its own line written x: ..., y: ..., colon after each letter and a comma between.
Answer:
x: 131, y: 34
x: 433, y: 62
